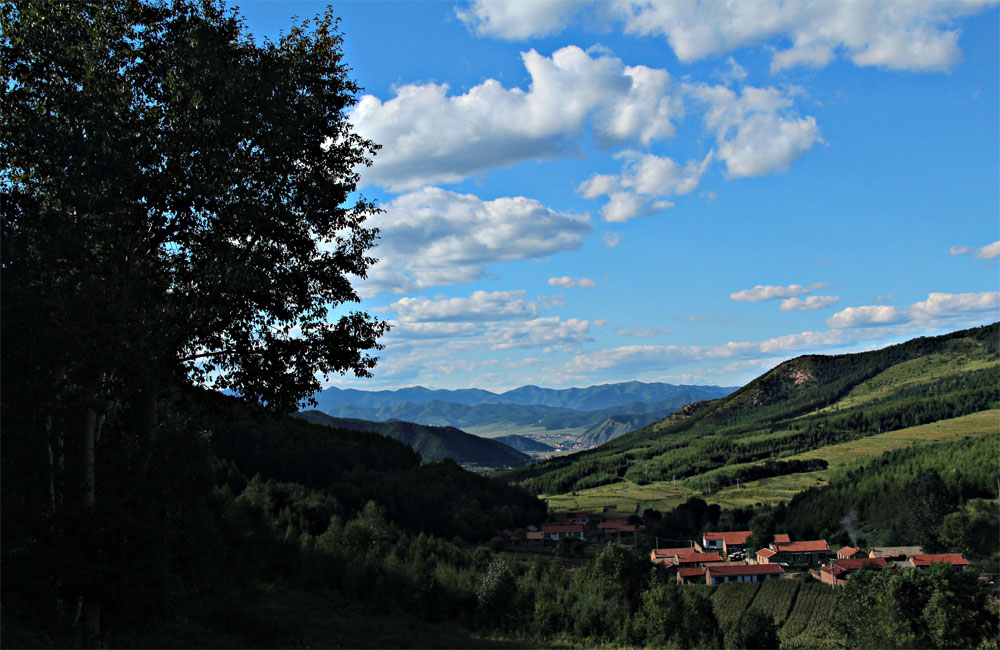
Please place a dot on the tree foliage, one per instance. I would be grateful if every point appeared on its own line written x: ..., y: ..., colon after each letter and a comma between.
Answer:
x: 178, y: 207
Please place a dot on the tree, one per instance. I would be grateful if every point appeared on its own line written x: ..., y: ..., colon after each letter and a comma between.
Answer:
x: 929, y: 608
x: 178, y: 208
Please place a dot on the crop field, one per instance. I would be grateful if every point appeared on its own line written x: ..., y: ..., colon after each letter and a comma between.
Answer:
x: 776, y: 599
x: 808, y: 623
x: 801, y: 611
x: 731, y: 599
x: 627, y: 498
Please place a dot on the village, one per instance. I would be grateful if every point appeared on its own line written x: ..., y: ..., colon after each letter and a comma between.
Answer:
x: 723, y: 556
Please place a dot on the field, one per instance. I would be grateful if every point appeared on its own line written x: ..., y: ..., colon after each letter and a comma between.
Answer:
x: 801, y: 610
x: 627, y: 498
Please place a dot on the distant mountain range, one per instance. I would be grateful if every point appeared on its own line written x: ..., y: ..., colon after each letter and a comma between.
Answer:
x: 597, y: 413
x: 433, y: 443
x: 578, y: 399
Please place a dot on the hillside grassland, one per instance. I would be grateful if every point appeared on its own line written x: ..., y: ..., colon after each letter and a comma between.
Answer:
x: 629, y: 498
x: 916, y: 371
x: 767, y: 436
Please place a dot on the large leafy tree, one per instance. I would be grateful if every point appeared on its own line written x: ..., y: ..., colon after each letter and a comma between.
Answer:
x: 178, y: 206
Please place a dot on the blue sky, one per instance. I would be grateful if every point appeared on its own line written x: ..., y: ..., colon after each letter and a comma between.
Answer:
x: 579, y: 193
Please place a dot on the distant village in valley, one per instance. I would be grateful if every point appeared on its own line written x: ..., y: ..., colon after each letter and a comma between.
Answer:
x: 725, y: 556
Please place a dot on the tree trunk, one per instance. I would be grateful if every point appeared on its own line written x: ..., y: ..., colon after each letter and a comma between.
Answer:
x: 91, y: 613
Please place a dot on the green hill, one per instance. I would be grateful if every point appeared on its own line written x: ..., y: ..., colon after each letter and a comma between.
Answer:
x: 803, y: 404
x: 433, y: 443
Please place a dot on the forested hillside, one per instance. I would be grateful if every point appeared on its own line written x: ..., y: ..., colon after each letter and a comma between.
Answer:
x: 802, y: 404
x: 432, y: 443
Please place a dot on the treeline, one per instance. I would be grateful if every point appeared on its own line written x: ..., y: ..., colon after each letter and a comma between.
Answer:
x: 783, y: 413
x: 235, y: 500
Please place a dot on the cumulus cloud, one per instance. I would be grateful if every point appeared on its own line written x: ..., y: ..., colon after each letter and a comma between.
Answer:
x: 894, y: 35
x: 809, y: 304
x: 480, y: 306
x: 430, y: 136
x: 937, y: 307
x: 549, y: 331
x: 622, y: 206
x: 919, y: 36
x: 756, y: 130
x: 988, y: 252
x: 643, y: 184
x: 866, y: 316
x: 434, y: 237
x: 516, y: 19
x: 771, y: 292
x: 567, y: 282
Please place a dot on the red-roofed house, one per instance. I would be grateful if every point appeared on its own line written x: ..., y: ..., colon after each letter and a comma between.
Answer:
x: 849, y: 552
x: 742, y: 573
x: 698, y: 559
x: 691, y: 575
x: 582, y: 518
x: 923, y: 561
x: 555, y: 531
x: 661, y: 555
x: 782, y: 538
x: 837, y: 571
x: 728, y: 542
x: 812, y: 552
x: 612, y: 525
x: 534, y: 537
x: 767, y: 556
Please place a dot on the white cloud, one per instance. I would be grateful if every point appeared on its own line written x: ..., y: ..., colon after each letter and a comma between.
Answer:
x: 756, y: 131
x: 567, y: 282
x: 771, y: 292
x: 633, y: 359
x: 989, y: 251
x: 612, y: 239
x: 866, y: 316
x: 943, y: 305
x: 641, y: 187
x: 809, y: 304
x: 429, y: 136
x: 539, y: 332
x: 937, y: 307
x: 434, y: 237
x: 480, y: 306
x: 895, y: 35
x: 421, y: 331
x: 517, y: 19
x: 643, y: 333
x: 622, y: 206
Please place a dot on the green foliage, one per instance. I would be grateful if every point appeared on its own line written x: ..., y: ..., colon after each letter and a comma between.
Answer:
x: 901, y: 497
x: 754, y: 630
x: 931, y: 608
